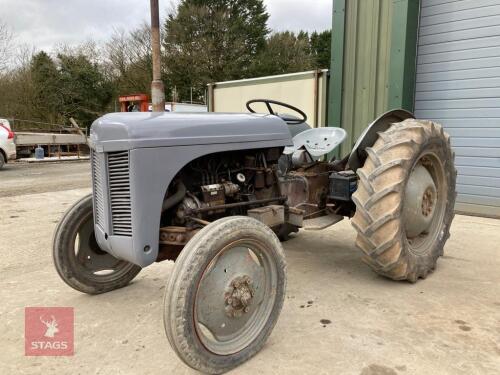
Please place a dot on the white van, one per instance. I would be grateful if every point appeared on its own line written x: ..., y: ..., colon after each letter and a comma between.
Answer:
x: 7, y: 145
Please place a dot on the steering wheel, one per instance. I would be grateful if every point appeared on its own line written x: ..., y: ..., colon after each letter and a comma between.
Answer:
x: 290, y: 120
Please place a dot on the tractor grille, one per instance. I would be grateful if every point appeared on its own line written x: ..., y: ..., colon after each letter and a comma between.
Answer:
x: 97, y: 163
x: 119, y: 193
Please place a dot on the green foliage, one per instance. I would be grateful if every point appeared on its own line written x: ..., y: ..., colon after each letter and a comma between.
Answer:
x: 45, y: 79
x: 321, y: 48
x: 203, y: 41
x: 53, y: 90
x: 285, y: 52
x: 212, y: 40
x: 84, y: 91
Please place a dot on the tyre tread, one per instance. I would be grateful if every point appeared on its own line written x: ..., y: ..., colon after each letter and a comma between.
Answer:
x: 390, y: 152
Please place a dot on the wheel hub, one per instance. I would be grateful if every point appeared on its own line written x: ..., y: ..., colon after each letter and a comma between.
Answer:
x: 238, y: 296
x: 234, y: 296
x: 428, y: 202
x: 420, y: 202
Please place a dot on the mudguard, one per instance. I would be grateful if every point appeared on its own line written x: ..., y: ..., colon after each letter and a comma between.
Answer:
x: 369, y: 136
x: 150, y: 149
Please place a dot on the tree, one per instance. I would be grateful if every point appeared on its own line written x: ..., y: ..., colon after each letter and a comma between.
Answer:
x: 321, y: 47
x: 84, y: 91
x: 16, y: 93
x: 129, y: 60
x: 285, y: 52
x: 16, y: 86
x: 5, y: 47
x: 212, y: 40
x: 204, y: 41
x: 45, y: 88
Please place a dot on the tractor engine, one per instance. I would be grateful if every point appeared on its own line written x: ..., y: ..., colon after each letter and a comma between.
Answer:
x: 226, y: 183
x: 232, y: 183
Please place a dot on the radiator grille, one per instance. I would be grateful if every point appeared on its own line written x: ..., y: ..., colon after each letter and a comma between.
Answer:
x: 98, y: 188
x: 119, y: 193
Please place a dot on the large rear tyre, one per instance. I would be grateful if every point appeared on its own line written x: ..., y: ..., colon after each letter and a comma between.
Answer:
x: 78, y: 259
x: 405, y: 200
x: 225, y: 294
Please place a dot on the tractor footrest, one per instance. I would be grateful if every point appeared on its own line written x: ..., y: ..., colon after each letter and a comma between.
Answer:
x: 272, y: 215
x: 322, y: 222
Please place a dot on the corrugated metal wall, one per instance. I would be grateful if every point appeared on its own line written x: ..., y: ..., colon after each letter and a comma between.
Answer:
x: 458, y: 85
x: 366, y: 65
x: 373, y: 46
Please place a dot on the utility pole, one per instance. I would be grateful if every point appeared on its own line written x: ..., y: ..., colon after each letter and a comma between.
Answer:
x: 157, y: 88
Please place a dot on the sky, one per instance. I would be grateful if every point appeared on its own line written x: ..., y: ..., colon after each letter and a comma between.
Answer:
x: 46, y: 24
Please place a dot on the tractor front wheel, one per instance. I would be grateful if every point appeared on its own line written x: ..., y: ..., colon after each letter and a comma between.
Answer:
x: 225, y: 294
x: 78, y: 259
x: 405, y: 200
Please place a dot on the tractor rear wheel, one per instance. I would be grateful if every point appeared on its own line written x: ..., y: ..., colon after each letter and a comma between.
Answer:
x: 405, y: 200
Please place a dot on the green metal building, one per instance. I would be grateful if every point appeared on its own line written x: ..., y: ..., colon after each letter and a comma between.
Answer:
x: 437, y: 58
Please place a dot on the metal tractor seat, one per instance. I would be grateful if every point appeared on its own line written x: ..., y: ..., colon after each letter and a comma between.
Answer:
x: 316, y: 142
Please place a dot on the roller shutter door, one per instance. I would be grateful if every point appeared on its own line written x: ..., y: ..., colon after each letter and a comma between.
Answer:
x: 458, y: 85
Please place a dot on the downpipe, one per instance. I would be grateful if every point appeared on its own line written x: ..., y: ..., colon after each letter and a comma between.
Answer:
x: 176, y: 198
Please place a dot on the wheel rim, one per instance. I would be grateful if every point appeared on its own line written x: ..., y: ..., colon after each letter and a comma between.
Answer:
x: 425, y: 203
x: 235, y: 297
x: 89, y: 259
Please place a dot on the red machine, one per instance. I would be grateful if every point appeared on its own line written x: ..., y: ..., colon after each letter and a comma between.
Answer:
x: 134, y: 103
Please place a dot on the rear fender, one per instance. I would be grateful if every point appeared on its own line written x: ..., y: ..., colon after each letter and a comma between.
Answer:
x: 370, y: 135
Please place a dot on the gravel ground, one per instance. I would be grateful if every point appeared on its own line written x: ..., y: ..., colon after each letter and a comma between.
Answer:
x: 446, y: 324
x: 29, y: 178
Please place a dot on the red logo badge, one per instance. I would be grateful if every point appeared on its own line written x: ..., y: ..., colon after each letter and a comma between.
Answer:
x: 48, y: 331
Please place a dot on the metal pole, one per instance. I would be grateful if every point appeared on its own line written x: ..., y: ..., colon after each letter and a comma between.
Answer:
x: 157, y: 88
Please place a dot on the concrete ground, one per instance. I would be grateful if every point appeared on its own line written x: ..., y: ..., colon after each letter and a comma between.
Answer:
x: 446, y: 324
x: 28, y: 178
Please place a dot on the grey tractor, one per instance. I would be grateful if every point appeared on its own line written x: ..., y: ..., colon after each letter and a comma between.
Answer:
x: 217, y: 192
